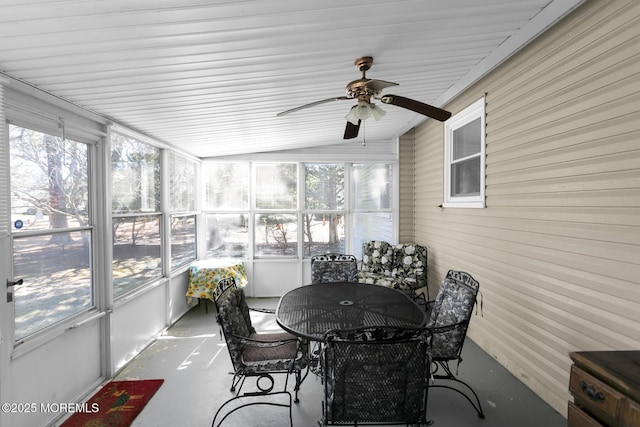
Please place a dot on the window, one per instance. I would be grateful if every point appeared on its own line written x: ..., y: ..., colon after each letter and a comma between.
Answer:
x: 276, y: 235
x: 52, y: 238
x: 227, y: 235
x: 227, y: 199
x: 183, y: 239
x: 276, y: 186
x: 276, y: 203
x: 372, y: 194
x: 323, y: 218
x: 137, y: 220
x: 296, y: 210
x: 227, y: 186
x: 182, y: 204
x: 182, y: 183
x: 464, y: 152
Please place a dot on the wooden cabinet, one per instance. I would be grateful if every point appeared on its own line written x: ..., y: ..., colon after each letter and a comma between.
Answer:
x: 605, y: 386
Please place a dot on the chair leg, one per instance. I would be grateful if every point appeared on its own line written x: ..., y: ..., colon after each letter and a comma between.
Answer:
x: 476, y: 405
x: 426, y: 404
x: 450, y: 377
x: 299, y: 380
x: 233, y: 399
x: 314, y: 358
x: 237, y: 379
x: 297, y: 386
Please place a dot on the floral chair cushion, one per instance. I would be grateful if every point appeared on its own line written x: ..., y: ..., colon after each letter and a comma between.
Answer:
x: 376, y: 279
x: 235, y: 320
x: 329, y: 268
x: 450, y: 317
x: 377, y: 257
x: 410, y: 265
x: 402, y: 266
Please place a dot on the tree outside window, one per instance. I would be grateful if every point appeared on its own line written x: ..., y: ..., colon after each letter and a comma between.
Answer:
x: 323, y: 220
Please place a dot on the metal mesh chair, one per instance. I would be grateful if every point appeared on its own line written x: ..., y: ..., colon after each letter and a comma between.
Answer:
x: 375, y: 375
x: 253, y: 354
x: 328, y: 268
x: 450, y: 314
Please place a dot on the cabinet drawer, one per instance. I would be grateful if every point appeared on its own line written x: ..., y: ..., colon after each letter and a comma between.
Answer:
x: 578, y: 418
x: 594, y: 395
x: 631, y: 415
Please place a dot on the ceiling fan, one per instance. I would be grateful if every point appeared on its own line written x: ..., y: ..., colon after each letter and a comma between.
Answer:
x: 364, y: 90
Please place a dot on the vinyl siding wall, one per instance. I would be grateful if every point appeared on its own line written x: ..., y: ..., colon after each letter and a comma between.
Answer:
x: 557, y: 248
x: 406, y: 219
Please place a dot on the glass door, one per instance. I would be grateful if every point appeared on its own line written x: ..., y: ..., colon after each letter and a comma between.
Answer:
x: 51, y: 325
x: 51, y: 230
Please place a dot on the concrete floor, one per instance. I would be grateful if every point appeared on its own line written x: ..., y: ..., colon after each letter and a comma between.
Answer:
x: 193, y: 360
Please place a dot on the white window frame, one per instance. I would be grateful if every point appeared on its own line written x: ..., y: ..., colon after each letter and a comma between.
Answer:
x: 158, y: 212
x: 173, y: 160
x: 469, y: 114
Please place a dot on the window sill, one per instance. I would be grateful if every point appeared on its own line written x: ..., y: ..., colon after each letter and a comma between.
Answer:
x: 466, y: 205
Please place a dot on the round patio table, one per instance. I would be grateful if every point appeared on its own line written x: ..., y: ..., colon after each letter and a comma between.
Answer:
x: 310, y: 311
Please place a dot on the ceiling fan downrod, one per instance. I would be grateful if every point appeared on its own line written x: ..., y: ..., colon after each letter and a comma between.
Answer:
x: 358, y: 88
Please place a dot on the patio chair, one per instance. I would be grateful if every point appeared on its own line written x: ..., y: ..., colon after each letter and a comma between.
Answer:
x: 450, y: 314
x: 375, y: 375
x: 253, y: 354
x: 402, y: 266
x: 329, y: 268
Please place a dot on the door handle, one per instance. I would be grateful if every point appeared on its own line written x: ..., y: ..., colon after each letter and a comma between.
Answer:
x: 14, y: 283
x: 10, y: 284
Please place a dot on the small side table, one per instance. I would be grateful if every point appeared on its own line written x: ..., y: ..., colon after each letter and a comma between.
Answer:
x: 204, y: 276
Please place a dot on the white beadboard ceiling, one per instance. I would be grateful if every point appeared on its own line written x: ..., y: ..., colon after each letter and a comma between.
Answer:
x: 209, y: 76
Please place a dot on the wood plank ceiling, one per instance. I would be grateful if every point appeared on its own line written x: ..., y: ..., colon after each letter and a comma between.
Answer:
x: 209, y: 76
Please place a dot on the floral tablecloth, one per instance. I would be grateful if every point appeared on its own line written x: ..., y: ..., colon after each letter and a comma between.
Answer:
x: 204, y: 276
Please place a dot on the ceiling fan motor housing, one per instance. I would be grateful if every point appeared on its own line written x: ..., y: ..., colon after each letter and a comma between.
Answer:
x: 357, y: 88
x: 361, y: 89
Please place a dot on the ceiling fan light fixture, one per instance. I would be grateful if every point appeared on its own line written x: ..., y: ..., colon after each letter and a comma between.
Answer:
x: 364, y: 110
x: 351, y: 116
x: 376, y: 112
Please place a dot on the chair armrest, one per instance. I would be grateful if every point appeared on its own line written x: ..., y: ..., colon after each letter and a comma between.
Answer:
x: 264, y: 310
x: 264, y: 344
x: 444, y: 328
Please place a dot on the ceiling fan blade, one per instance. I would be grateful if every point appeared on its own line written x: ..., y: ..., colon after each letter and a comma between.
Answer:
x: 417, y: 106
x: 351, y: 131
x: 378, y: 85
x: 313, y: 104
